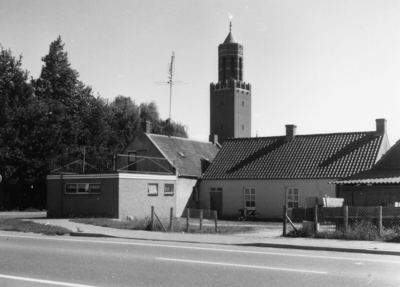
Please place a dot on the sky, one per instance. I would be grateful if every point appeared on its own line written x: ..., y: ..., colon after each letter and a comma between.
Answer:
x: 324, y: 66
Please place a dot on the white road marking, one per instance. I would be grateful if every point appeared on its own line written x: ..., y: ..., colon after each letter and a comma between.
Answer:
x: 199, y: 248
x: 242, y: 265
x: 43, y: 281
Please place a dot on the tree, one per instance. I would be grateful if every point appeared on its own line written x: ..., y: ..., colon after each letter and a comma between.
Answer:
x: 149, y: 111
x: 124, y: 122
x: 20, y: 116
x: 68, y: 99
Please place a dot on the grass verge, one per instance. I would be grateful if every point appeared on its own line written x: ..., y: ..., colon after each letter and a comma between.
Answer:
x: 179, y: 225
x: 12, y: 224
x: 364, y: 230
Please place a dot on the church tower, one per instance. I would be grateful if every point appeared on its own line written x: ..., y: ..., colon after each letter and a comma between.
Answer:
x: 230, y: 97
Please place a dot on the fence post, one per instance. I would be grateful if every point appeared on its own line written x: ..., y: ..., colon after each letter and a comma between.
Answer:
x: 379, y: 220
x: 152, y: 218
x: 187, y: 219
x: 345, y: 217
x: 201, y: 220
x: 284, y: 219
x: 216, y: 221
x: 171, y: 226
x: 316, y: 219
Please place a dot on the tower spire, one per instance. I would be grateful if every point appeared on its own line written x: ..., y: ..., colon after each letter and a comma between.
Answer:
x: 230, y: 26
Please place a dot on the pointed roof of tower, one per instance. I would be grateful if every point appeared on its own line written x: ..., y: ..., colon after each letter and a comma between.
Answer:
x: 230, y: 39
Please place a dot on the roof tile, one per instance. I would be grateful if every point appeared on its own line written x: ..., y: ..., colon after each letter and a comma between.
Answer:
x: 306, y: 156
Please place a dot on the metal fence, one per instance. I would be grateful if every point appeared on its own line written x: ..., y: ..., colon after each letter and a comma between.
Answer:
x: 339, y: 218
x: 111, y: 163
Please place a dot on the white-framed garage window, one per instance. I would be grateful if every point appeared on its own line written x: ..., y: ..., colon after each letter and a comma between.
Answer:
x: 250, y: 198
x: 152, y: 189
x: 83, y: 188
x: 168, y: 189
x: 292, y: 197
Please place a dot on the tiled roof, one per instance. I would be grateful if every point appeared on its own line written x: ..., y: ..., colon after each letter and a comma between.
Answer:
x: 385, y: 171
x: 306, y: 156
x: 188, y: 155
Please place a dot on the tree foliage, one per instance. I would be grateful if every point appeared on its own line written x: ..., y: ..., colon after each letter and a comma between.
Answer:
x: 57, y: 114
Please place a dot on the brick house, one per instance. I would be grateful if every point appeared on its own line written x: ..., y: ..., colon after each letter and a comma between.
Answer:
x: 267, y: 172
x: 154, y: 170
x: 378, y: 186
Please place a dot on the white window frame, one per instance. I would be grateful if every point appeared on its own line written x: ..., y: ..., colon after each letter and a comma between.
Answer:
x: 83, y: 188
x: 249, y: 196
x: 171, y: 192
x: 293, y: 196
x: 152, y: 189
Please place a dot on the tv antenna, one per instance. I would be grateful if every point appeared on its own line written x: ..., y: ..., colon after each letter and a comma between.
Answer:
x: 170, y: 82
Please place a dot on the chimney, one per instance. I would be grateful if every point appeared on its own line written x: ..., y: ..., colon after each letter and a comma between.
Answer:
x: 380, y: 126
x: 290, y: 132
x: 213, y: 139
x: 146, y: 126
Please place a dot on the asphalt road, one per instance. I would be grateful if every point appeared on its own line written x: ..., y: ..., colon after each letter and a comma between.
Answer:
x: 30, y: 260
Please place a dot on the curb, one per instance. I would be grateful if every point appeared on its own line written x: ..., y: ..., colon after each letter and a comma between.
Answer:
x: 266, y: 245
x: 322, y: 248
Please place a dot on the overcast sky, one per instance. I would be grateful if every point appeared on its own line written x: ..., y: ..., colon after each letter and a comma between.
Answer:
x: 325, y: 66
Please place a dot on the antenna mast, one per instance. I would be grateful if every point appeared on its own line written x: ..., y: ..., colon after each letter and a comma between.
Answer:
x: 171, y: 73
x: 170, y: 82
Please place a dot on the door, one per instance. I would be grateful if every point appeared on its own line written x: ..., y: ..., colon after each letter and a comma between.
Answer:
x: 216, y: 202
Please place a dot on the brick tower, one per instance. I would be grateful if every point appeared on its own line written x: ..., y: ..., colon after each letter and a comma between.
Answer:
x: 230, y: 98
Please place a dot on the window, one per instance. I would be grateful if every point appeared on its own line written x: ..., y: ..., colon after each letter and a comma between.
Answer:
x: 233, y: 67
x: 222, y: 103
x: 242, y: 104
x: 222, y: 127
x: 216, y: 189
x: 292, y: 197
x: 240, y: 69
x: 242, y: 127
x: 83, y: 188
x: 168, y: 189
x: 153, y: 189
x: 249, y: 197
x: 223, y: 69
x: 181, y: 154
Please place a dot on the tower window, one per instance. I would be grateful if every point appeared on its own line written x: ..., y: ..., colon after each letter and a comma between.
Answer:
x: 233, y: 67
x: 222, y: 127
x: 242, y: 127
x: 242, y: 104
x: 240, y: 69
x: 222, y: 103
x: 223, y: 69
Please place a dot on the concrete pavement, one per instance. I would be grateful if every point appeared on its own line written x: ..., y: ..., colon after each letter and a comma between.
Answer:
x: 269, y: 238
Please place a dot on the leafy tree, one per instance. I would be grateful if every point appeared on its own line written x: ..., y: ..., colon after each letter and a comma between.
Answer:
x: 124, y: 122
x: 20, y: 117
x: 68, y: 99
x: 149, y: 111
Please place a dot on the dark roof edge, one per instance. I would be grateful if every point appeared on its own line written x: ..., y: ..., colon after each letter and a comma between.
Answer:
x: 184, y: 139
x: 189, y: 176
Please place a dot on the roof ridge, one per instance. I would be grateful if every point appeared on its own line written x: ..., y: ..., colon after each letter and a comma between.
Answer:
x: 174, y: 137
x: 304, y: 135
